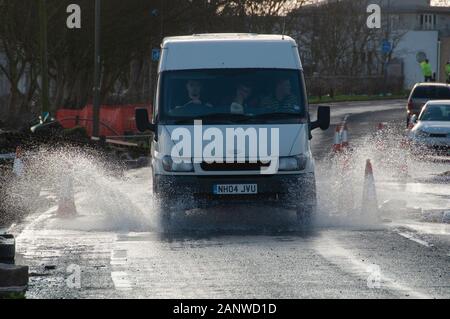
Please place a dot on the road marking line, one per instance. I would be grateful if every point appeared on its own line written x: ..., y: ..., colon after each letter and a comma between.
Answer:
x: 425, y: 228
x: 344, y: 258
x: 118, y: 261
x: 411, y: 236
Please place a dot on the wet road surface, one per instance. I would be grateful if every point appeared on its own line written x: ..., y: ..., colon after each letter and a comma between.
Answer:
x: 115, y: 248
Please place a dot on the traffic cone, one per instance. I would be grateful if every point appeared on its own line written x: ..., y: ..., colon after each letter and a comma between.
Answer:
x: 337, y: 144
x: 370, y: 199
x: 66, y: 200
x: 18, y: 167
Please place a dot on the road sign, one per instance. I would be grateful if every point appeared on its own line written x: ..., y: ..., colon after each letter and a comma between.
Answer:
x: 386, y: 47
x: 156, y: 54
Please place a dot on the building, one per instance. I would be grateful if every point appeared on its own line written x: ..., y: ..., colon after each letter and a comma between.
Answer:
x: 423, y: 31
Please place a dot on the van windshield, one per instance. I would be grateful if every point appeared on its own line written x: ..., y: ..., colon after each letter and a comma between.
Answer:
x: 232, y: 96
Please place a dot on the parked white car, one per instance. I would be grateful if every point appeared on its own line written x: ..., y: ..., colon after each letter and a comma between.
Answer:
x: 431, y: 131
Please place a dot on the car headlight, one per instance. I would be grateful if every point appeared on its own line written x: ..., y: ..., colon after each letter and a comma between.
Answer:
x: 423, y: 134
x: 177, y: 166
x: 293, y: 164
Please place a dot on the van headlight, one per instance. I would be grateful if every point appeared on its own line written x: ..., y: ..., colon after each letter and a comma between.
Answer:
x: 177, y: 166
x: 293, y: 164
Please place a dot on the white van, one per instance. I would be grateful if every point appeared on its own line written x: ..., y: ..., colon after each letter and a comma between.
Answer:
x: 248, y: 90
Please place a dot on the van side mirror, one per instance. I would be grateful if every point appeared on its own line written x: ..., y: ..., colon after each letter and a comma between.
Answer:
x: 414, y: 119
x: 323, y: 119
x: 142, y: 122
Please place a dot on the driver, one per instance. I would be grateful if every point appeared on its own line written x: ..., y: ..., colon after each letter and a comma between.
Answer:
x: 194, y: 89
x: 282, y: 98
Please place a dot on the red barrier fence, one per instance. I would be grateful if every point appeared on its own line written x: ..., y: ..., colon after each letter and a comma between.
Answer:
x: 115, y: 120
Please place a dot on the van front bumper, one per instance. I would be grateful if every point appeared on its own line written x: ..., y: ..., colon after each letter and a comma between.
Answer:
x: 289, y: 190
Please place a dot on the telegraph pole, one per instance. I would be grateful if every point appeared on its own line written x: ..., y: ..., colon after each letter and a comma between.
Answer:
x: 97, y: 71
x: 45, y: 108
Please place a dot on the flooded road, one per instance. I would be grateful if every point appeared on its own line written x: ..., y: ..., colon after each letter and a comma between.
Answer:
x: 116, y: 248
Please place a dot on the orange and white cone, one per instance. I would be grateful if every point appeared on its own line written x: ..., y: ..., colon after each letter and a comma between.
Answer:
x: 337, y: 144
x: 66, y: 200
x: 370, y: 199
x: 18, y: 167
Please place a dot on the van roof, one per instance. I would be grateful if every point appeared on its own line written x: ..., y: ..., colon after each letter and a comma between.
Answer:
x: 227, y: 37
x: 229, y: 50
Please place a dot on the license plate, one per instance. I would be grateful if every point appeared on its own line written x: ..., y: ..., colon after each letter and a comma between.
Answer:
x: 236, y: 189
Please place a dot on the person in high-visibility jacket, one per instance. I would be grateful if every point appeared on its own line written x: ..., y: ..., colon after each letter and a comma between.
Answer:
x: 427, y: 71
x: 447, y: 71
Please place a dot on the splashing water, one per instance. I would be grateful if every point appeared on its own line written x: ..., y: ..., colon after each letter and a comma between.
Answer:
x: 106, y: 199
x: 397, y: 174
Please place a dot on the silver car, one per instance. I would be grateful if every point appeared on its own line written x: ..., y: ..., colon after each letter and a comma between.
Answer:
x: 431, y: 129
x: 424, y: 92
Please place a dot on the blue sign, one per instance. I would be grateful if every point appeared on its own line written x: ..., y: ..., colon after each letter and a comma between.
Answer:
x: 156, y: 54
x: 387, y: 47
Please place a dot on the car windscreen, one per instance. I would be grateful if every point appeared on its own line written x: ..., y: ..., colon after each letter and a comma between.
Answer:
x: 232, y: 95
x: 432, y: 93
x: 439, y: 113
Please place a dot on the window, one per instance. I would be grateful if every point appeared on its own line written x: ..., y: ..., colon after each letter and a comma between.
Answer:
x: 226, y: 94
x: 432, y: 93
x: 427, y: 21
x: 439, y: 113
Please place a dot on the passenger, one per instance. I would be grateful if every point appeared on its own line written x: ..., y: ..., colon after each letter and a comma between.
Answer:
x: 240, y: 102
x: 194, y: 90
x: 283, y: 98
